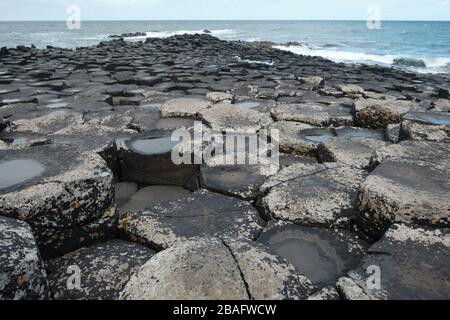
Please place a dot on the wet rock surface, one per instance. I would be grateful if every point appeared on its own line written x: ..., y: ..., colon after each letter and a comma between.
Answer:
x: 201, y: 214
x: 215, y: 269
x: 77, y: 124
x: 413, y: 264
x: 22, y: 271
x: 104, y: 270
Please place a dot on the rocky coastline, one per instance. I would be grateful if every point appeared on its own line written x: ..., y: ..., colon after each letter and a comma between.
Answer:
x: 87, y: 180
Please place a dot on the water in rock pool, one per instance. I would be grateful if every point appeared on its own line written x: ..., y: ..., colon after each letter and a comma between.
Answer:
x: 318, y: 138
x: 153, y: 146
x: 14, y: 172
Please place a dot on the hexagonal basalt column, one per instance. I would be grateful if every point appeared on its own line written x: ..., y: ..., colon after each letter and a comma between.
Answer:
x: 66, y: 196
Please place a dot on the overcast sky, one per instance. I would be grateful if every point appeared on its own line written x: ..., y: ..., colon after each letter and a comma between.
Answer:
x: 224, y: 9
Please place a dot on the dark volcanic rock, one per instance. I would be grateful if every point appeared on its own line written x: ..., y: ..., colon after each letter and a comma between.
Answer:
x: 22, y: 272
x: 414, y: 266
x: 323, y: 255
x: 224, y: 270
x: 201, y: 214
x: 104, y: 270
x: 64, y: 195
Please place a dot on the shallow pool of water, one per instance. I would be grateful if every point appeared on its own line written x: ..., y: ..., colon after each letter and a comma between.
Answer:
x: 152, y: 146
x: 14, y: 172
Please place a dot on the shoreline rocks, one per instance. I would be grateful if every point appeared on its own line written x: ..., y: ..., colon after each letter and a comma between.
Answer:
x: 87, y: 130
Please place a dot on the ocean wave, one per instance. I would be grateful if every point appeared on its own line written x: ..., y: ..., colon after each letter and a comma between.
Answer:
x: 167, y: 34
x: 415, y: 63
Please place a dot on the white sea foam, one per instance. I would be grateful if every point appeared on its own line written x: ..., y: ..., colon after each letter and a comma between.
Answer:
x: 433, y: 64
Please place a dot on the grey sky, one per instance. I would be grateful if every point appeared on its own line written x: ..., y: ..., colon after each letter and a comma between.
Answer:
x: 224, y: 9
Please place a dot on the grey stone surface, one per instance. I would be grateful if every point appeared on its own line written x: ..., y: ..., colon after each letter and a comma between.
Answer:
x: 312, y: 194
x: 354, y: 152
x: 299, y: 138
x: 313, y: 114
x: 402, y: 190
x: 104, y: 269
x: 431, y: 126
x: 322, y: 255
x: 201, y: 214
x: 242, y: 181
x: 183, y: 107
x: 214, y: 269
x: 124, y: 191
x: 414, y: 266
x: 326, y: 294
x: 226, y: 117
x: 22, y: 272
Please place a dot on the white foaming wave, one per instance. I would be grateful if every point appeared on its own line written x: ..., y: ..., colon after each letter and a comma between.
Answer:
x: 167, y: 34
x: 433, y: 64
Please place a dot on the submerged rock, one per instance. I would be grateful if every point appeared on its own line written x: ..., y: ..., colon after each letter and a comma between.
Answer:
x: 201, y: 214
x: 104, y: 270
x: 374, y: 114
x: 61, y: 193
x: 322, y: 255
x: 413, y: 263
x: 214, y: 269
x: 22, y: 272
x: 431, y: 126
x: 313, y: 114
x: 312, y: 194
x: 149, y: 196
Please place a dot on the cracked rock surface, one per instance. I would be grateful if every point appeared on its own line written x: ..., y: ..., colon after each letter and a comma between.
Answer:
x: 215, y: 269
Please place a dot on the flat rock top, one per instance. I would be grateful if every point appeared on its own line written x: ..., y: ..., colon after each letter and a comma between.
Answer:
x: 30, y: 166
x: 202, y: 213
x: 413, y: 264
